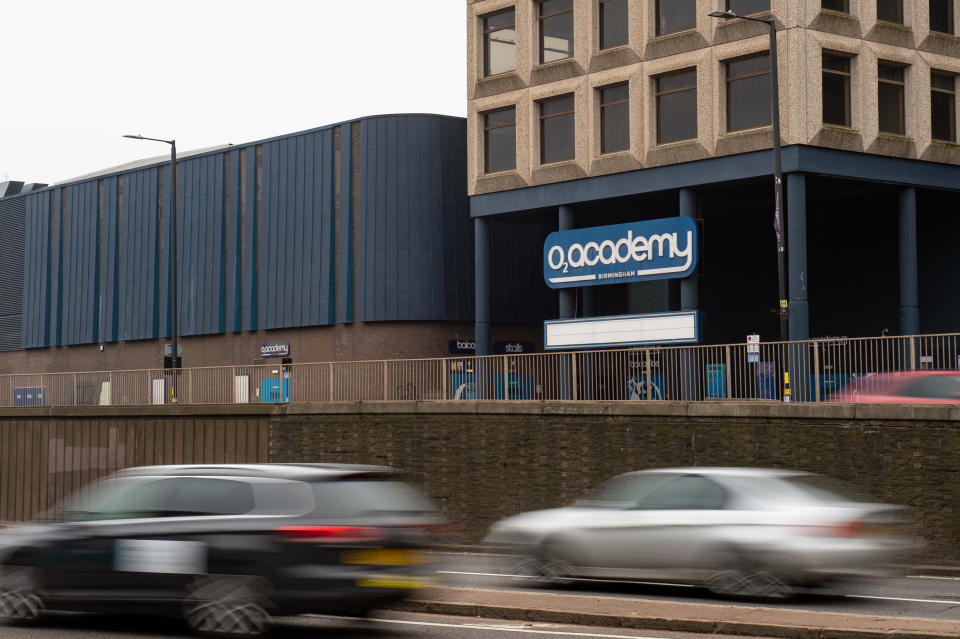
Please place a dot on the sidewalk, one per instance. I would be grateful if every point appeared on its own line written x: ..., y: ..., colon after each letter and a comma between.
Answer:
x: 750, y: 620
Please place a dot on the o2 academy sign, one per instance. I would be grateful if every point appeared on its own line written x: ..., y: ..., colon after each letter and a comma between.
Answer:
x: 634, y: 252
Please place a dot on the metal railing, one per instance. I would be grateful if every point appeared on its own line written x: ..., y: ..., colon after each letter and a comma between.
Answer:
x: 816, y: 370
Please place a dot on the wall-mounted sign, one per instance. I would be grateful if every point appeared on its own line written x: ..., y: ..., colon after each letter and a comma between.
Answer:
x: 276, y: 349
x: 622, y: 330
x: 634, y: 252
x: 469, y: 347
x: 753, y: 348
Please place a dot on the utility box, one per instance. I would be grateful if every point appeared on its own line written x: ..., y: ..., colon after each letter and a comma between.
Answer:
x: 275, y: 389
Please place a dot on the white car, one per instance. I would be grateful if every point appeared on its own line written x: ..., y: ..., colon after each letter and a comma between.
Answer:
x: 737, y: 531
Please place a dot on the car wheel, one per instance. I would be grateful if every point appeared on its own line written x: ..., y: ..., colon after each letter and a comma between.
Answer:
x: 20, y: 600
x: 738, y: 576
x: 228, y: 606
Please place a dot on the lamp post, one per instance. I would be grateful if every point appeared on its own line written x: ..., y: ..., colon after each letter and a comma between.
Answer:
x: 783, y: 307
x: 174, y: 356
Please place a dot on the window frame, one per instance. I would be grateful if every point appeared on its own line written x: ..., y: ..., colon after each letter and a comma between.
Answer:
x: 656, y: 20
x: 658, y: 93
x: 951, y: 18
x: 540, y: 19
x: 902, y: 84
x: 545, y: 118
x: 728, y: 80
x: 603, y: 119
x: 600, y: 35
x: 844, y: 3
x: 848, y: 80
x: 485, y: 33
x: 952, y: 114
x: 727, y: 6
x: 899, y: 10
x: 486, y: 138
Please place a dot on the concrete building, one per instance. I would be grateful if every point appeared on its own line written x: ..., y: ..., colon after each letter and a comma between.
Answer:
x: 347, y: 242
x: 584, y: 113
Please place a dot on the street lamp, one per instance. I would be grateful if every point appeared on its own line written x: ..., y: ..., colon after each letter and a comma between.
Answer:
x: 174, y: 356
x: 783, y: 309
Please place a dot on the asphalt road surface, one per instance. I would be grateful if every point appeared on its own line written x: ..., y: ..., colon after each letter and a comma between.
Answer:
x: 925, y: 596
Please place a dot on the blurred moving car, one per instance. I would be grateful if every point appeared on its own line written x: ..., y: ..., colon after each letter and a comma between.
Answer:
x: 226, y: 546
x: 739, y: 532
x: 913, y: 387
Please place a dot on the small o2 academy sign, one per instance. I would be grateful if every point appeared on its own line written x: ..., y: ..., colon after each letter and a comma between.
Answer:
x: 635, y: 252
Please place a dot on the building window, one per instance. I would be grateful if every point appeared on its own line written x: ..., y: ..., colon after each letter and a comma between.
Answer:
x: 943, y: 106
x: 746, y: 7
x: 836, y: 89
x: 941, y: 16
x: 499, y: 42
x: 614, y: 118
x: 677, y: 106
x: 556, y: 30
x: 836, y: 5
x: 748, y: 92
x: 556, y: 129
x: 890, y: 86
x: 890, y: 11
x: 614, y: 27
x: 676, y: 15
x: 500, y: 140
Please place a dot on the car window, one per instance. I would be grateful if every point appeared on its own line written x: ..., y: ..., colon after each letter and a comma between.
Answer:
x: 690, y: 492
x: 624, y: 491
x: 934, y: 387
x: 133, y: 498
x: 347, y: 498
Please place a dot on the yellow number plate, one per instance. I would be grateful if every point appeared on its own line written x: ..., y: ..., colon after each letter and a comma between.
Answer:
x: 382, y: 557
x: 394, y: 581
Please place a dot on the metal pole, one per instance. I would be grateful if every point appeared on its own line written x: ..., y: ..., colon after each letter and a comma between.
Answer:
x: 778, y: 186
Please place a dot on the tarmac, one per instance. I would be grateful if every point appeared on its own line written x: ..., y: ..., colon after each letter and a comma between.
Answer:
x: 720, y: 619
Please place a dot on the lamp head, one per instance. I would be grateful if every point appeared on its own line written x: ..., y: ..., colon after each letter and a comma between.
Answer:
x: 728, y: 14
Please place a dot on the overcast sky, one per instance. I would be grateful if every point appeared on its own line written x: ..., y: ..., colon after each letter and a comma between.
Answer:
x: 79, y: 74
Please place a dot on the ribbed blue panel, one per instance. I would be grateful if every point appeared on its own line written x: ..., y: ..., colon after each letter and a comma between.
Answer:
x: 295, y: 235
x: 36, y: 271
x: 56, y: 269
x: 110, y: 261
x: 13, y: 215
x: 249, y: 306
x: 345, y: 275
x: 234, y: 244
x: 200, y: 245
x: 403, y: 222
x: 80, y: 242
x: 137, y: 280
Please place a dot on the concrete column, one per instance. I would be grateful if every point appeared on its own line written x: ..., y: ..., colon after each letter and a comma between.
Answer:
x: 909, y: 296
x: 481, y: 259
x: 567, y: 296
x: 797, y: 256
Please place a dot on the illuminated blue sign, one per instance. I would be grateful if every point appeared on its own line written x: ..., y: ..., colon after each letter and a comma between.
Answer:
x: 634, y: 252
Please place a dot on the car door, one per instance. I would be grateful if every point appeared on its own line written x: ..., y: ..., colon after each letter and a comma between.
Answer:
x: 666, y: 530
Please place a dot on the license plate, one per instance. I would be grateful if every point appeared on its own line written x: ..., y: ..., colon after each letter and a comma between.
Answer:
x: 382, y: 557
x: 394, y: 581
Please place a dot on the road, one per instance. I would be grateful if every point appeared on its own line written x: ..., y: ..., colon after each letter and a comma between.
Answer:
x: 929, y: 597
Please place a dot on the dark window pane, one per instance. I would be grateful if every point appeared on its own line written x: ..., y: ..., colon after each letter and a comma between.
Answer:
x: 614, y: 94
x: 499, y: 140
x: 614, y: 26
x: 835, y: 101
x: 836, y: 5
x: 941, y: 16
x: 890, y: 98
x: 615, y: 127
x: 556, y: 105
x: 890, y: 10
x: 676, y: 15
x: 556, y: 131
x: 677, y: 116
x: 682, y: 80
x: 749, y: 102
x: 889, y: 73
x: 499, y: 43
x: 743, y: 7
x: 556, y: 31
x: 747, y: 66
x: 836, y: 63
x: 943, y: 108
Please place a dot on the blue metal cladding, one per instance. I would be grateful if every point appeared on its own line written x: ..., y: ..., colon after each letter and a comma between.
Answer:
x: 404, y: 224
x: 295, y: 231
x: 13, y: 215
x: 257, y: 239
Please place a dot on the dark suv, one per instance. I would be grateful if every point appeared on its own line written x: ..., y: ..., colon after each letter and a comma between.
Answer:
x: 227, y: 546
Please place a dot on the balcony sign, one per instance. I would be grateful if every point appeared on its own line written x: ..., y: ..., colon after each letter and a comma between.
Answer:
x: 635, y: 252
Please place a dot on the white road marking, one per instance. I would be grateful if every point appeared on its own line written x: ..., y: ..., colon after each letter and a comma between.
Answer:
x: 478, y: 626
x: 954, y: 602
